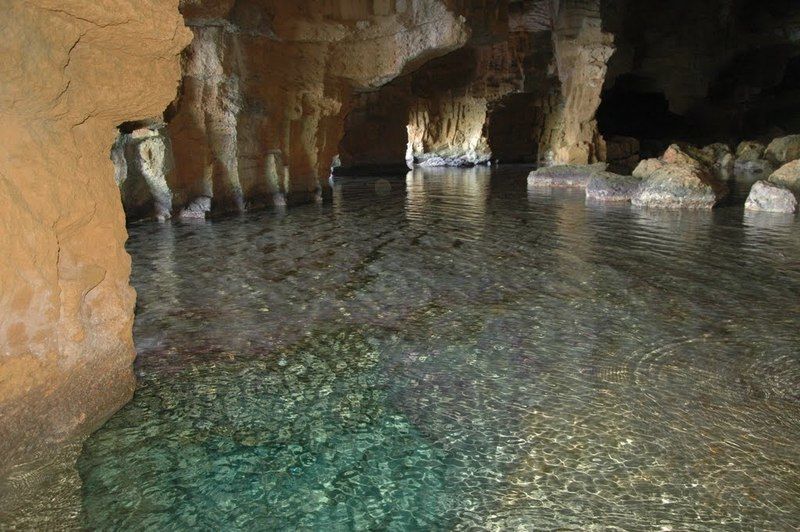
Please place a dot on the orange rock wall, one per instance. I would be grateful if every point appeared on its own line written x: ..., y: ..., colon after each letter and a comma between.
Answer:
x: 72, y: 71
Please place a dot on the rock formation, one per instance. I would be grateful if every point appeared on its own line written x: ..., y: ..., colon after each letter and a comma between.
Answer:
x: 765, y: 196
x: 565, y: 176
x: 140, y: 163
x: 463, y: 108
x: 253, y: 102
x: 684, y: 177
x: 267, y: 86
x: 783, y: 150
x: 582, y: 50
x: 538, y: 81
x: 788, y: 176
x: 73, y: 71
x: 606, y: 187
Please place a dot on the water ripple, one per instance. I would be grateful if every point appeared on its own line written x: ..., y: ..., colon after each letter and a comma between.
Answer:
x: 449, y: 350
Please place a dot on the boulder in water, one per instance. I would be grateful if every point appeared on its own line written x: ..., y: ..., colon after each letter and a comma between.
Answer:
x: 783, y: 150
x: 788, y: 176
x: 609, y: 187
x: 679, y: 186
x: 565, y: 176
x: 750, y: 150
x: 766, y: 196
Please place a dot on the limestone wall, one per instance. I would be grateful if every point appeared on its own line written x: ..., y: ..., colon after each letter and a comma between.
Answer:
x: 268, y: 84
x: 72, y: 71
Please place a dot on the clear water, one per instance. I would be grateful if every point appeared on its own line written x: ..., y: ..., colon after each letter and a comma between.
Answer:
x: 449, y: 350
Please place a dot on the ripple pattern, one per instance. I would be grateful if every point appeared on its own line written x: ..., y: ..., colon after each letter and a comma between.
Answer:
x: 450, y: 350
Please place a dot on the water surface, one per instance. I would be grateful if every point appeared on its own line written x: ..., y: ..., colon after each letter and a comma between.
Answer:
x: 449, y: 350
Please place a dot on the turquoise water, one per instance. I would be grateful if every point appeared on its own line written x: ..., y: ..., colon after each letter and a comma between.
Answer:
x: 448, y: 350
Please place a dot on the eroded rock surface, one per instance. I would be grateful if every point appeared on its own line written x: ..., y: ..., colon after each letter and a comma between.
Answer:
x: 140, y: 161
x: 267, y: 86
x: 66, y: 307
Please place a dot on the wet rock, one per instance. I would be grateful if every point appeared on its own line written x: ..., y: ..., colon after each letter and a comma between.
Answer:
x: 679, y: 186
x: 765, y: 196
x: 750, y: 150
x: 609, y: 187
x: 783, y: 150
x: 788, y: 176
x: 197, y: 208
x: 569, y: 175
x: 436, y: 161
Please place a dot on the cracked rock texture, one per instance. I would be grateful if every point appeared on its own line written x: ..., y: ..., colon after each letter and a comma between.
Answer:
x: 72, y: 71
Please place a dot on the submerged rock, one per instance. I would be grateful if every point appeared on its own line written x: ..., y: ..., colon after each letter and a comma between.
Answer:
x: 750, y: 150
x: 765, y: 196
x: 788, y: 176
x: 577, y: 175
x: 609, y: 187
x: 679, y: 186
x: 783, y: 150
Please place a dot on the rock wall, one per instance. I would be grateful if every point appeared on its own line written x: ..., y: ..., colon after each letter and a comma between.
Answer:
x: 537, y: 74
x: 72, y: 71
x: 449, y: 111
x: 267, y: 86
x: 702, y: 71
x: 582, y: 51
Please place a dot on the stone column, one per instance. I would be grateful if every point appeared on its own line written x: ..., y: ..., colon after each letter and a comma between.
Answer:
x: 582, y: 51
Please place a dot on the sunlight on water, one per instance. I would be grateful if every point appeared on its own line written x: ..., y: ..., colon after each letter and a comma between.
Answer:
x: 451, y: 350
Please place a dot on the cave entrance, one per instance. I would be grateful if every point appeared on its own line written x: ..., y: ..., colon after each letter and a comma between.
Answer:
x: 634, y: 107
x: 510, y: 129
x: 375, y: 137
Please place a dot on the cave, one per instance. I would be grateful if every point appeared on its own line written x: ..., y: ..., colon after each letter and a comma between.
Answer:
x: 399, y: 264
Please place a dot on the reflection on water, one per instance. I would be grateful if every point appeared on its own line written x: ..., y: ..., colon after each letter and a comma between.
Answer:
x: 450, y: 351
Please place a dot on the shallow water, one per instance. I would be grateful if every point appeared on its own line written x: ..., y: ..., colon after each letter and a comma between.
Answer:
x: 449, y: 350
